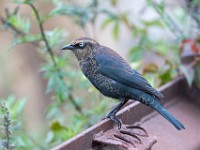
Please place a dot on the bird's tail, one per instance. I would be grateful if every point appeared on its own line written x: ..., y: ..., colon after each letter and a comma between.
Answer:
x: 167, y: 115
x: 154, y: 103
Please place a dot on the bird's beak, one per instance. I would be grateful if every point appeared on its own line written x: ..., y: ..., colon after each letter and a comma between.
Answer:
x: 68, y: 47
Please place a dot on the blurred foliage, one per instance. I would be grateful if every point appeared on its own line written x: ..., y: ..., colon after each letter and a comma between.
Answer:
x: 74, y: 107
x: 12, y: 124
x: 5, y: 138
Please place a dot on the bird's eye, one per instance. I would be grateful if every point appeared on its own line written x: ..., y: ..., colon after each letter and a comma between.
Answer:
x: 81, y: 44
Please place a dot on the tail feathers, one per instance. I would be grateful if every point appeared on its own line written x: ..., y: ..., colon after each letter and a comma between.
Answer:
x: 154, y: 103
x: 166, y: 114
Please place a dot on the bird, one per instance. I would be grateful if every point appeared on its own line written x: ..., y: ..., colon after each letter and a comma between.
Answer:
x: 114, y: 78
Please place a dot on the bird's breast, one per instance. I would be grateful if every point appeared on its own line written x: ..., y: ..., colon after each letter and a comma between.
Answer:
x: 105, y: 85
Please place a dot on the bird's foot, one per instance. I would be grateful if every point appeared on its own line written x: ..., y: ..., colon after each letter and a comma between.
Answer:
x: 115, y: 119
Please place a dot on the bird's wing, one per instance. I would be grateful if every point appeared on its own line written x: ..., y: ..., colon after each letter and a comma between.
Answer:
x: 111, y: 65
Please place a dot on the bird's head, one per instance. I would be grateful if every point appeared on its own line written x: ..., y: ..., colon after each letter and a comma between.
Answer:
x: 82, y: 47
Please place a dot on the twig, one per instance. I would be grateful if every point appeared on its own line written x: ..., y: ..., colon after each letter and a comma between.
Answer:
x: 8, y: 15
x: 43, y: 34
x: 77, y: 107
x: 21, y: 33
x: 13, y: 28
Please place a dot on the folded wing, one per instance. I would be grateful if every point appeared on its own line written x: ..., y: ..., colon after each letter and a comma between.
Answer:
x: 110, y: 64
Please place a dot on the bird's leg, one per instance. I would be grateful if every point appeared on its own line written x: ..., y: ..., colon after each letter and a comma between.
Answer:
x: 112, y: 113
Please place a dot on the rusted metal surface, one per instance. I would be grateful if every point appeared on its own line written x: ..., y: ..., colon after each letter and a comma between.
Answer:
x: 184, y: 103
x: 169, y: 138
x: 129, y: 137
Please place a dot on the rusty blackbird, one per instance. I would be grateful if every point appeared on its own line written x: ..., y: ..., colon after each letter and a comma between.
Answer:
x: 114, y: 78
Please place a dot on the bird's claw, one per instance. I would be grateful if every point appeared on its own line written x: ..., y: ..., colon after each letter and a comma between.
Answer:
x: 115, y: 119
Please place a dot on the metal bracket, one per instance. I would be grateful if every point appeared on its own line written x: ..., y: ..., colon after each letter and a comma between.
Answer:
x: 129, y: 137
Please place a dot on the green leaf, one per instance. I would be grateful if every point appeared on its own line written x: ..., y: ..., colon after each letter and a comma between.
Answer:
x: 161, y: 6
x: 150, y: 67
x: 114, y: 2
x: 51, y: 83
x: 61, y: 9
x: 20, y: 23
x: 49, y: 137
x: 136, y: 65
x: 24, y: 1
x: 78, y: 13
x: 136, y: 53
x: 195, y: 2
x: 124, y: 18
x: 60, y: 131
x: 56, y: 127
x: 152, y: 79
x: 188, y: 72
x: 107, y: 22
x: 155, y: 22
x: 116, y: 30
x: 55, y: 37
x: 110, y: 14
x: 27, y: 39
x: 139, y: 32
x: 16, y: 107
x: 165, y: 77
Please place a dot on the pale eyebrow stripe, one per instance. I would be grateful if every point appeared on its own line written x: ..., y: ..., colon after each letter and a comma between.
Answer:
x: 84, y: 41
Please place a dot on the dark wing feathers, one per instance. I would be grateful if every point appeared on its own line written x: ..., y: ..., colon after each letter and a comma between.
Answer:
x: 110, y: 64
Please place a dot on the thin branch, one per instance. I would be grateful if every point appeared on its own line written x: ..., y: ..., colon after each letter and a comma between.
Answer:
x: 8, y: 15
x: 11, y: 26
x: 21, y: 33
x: 43, y: 34
x: 77, y: 107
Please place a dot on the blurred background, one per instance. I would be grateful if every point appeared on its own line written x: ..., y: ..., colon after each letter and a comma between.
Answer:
x: 45, y: 99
